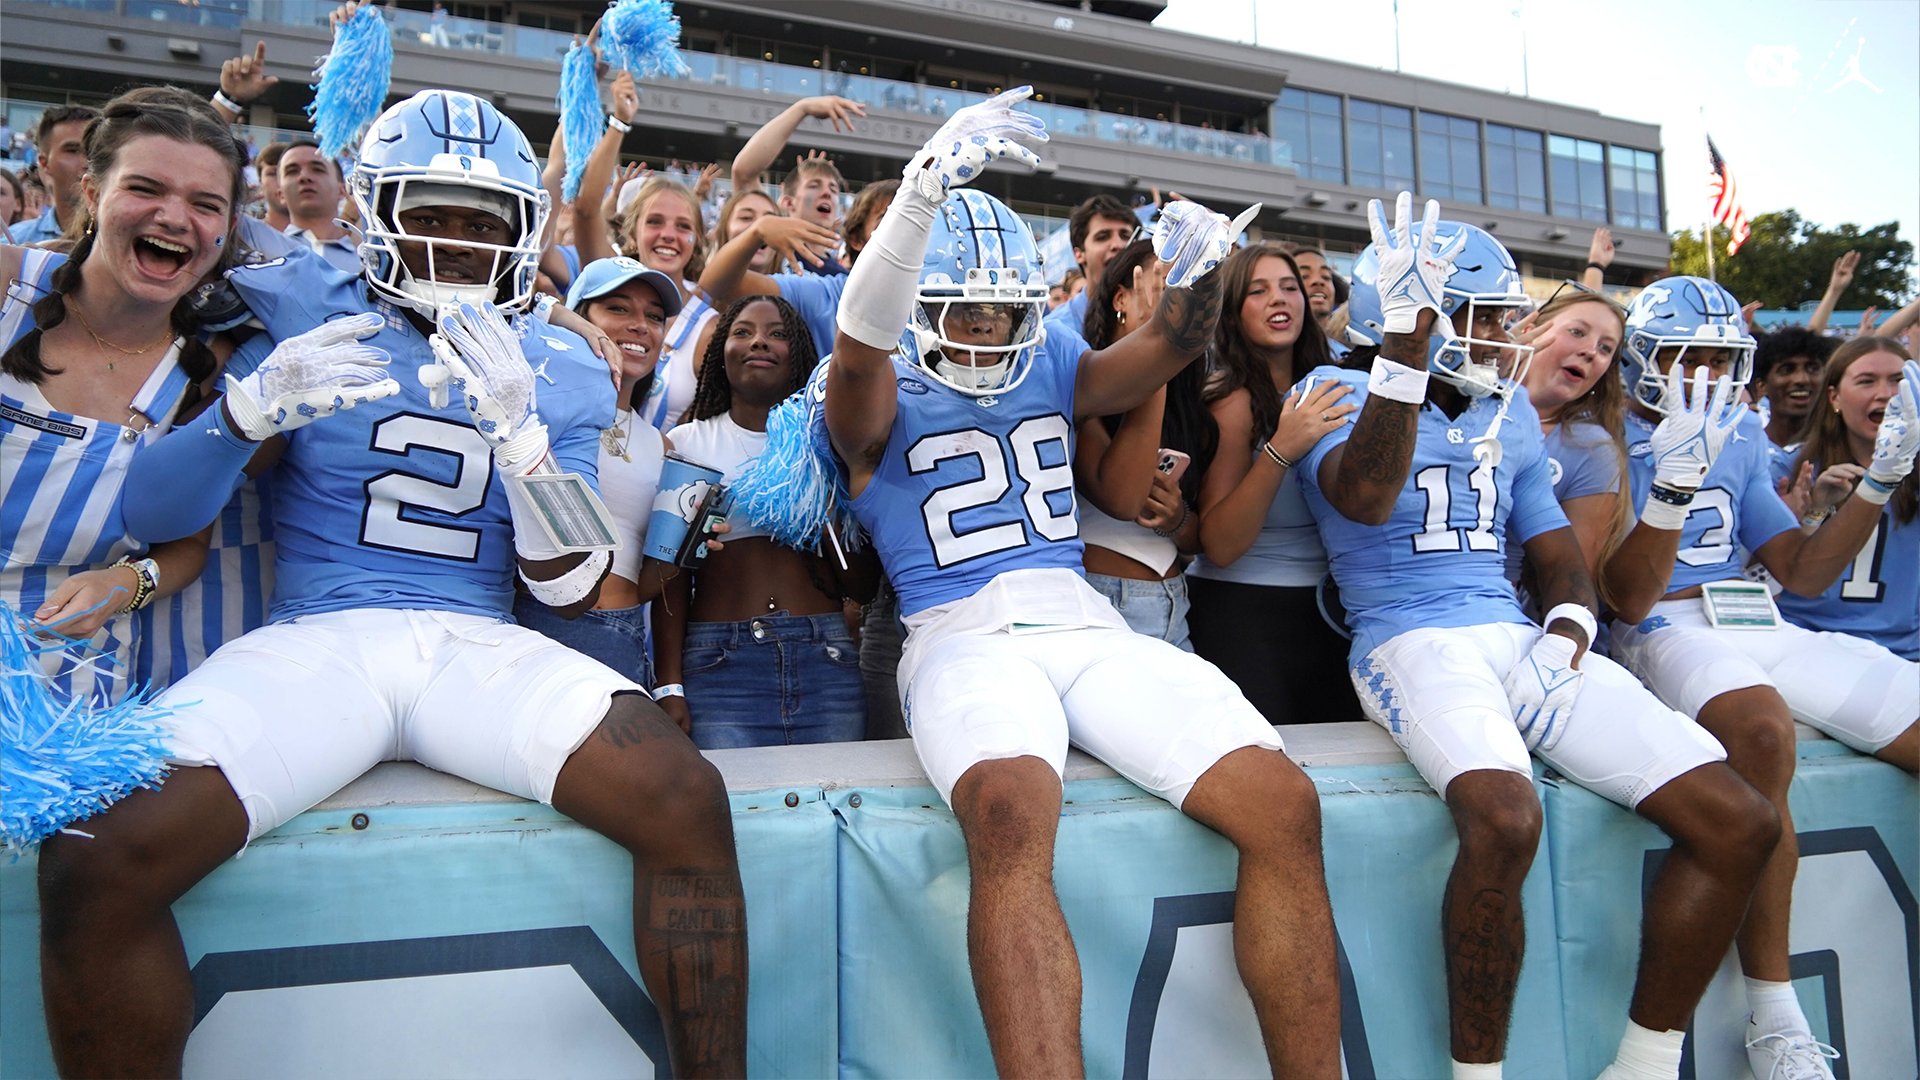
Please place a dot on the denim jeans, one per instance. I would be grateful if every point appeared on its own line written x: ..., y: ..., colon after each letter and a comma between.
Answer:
x: 773, y: 680
x: 1154, y: 608
x: 617, y: 637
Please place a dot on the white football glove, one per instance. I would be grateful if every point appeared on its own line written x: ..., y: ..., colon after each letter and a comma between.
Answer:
x: 1192, y: 239
x: 1696, y: 427
x: 488, y: 369
x: 1542, y: 688
x: 1411, y: 277
x: 309, y: 376
x: 969, y: 139
x: 1899, y: 438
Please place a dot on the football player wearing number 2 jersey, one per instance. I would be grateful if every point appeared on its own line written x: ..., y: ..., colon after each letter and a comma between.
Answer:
x: 954, y: 442
x: 1414, y: 503
x: 1710, y: 643
x: 408, y: 423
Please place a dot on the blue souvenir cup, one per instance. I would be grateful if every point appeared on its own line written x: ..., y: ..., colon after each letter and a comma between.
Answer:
x: 684, y: 489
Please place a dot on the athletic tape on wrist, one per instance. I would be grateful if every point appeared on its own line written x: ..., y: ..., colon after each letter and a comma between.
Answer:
x: 573, y: 586
x: 1576, y: 614
x: 1875, y: 491
x: 1397, y: 382
x: 1663, y: 515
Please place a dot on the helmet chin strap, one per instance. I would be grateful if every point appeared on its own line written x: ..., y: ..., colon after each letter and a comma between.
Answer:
x: 982, y: 377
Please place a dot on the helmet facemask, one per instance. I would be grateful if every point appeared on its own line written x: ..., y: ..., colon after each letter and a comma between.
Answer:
x: 989, y: 298
x: 1681, y: 313
x: 1451, y: 358
x: 506, y: 270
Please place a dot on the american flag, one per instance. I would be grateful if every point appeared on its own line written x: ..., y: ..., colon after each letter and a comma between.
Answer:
x: 1725, y: 197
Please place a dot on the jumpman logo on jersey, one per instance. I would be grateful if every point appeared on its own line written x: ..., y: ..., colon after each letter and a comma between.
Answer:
x: 541, y: 371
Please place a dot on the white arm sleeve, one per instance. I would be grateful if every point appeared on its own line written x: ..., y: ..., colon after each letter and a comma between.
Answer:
x: 878, y: 301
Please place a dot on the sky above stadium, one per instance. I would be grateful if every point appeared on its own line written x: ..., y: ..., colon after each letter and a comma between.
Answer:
x: 1815, y: 106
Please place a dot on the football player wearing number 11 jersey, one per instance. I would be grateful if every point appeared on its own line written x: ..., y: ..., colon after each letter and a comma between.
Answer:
x: 1415, y: 502
x: 402, y: 522
x: 954, y: 443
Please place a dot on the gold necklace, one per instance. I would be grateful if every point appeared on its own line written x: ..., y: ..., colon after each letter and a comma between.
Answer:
x: 616, y: 439
x: 104, y: 343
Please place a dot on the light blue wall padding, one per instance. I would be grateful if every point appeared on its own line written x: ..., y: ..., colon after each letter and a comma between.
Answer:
x: 479, y: 935
x: 1854, y: 942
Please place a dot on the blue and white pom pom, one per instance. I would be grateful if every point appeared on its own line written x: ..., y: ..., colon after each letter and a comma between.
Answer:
x: 350, y: 82
x: 581, y: 117
x: 792, y: 488
x: 60, y: 760
x: 642, y: 36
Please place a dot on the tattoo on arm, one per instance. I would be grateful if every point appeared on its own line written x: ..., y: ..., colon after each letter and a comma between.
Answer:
x: 1380, y: 450
x: 1186, y: 317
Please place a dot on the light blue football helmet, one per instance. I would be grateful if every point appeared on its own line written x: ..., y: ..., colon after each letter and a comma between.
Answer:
x: 981, y: 260
x: 445, y: 148
x: 1483, y: 276
x: 1681, y: 313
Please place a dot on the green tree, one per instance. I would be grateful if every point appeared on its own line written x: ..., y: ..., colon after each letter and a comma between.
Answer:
x: 1787, y: 261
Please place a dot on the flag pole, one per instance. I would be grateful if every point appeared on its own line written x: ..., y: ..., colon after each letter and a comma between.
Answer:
x: 1706, y: 234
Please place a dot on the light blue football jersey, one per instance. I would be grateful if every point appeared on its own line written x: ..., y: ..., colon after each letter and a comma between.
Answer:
x: 817, y: 298
x: 1439, y: 561
x: 395, y: 504
x: 1581, y: 461
x: 1877, y: 596
x: 1735, y: 511
x: 972, y: 487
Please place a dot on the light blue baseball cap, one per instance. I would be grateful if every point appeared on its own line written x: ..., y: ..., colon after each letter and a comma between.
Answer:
x: 602, y: 276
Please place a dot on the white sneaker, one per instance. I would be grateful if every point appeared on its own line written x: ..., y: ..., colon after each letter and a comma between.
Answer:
x: 1788, y: 1056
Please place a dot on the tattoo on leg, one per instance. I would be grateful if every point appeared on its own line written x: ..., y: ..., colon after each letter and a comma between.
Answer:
x: 696, y: 925
x: 1486, y: 944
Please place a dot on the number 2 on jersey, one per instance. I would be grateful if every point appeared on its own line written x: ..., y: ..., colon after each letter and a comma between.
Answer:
x: 951, y: 545
x: 395, y: 497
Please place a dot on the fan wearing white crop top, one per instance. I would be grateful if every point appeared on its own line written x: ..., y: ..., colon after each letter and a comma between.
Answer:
x: 1136, y: 516
x: 755, y: 635
x: 631, y: 304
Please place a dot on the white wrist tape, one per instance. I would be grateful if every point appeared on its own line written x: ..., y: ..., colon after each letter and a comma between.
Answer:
x: 877, y: 303
x: 573, y: 586
x: 1875, y: 491
x: 1397, y: 382
x: 1576, y: 614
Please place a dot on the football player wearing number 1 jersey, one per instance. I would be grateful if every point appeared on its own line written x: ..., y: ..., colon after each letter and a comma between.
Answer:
x: 402, y: 517
x: 1414, y: 503
x: 1705, y: 497
x: 955, y: 444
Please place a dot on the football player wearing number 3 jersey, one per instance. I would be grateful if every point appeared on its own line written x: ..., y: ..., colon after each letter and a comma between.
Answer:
x: 402, y: 521
x: 1414, y: 503
x: 955, y: 444
x: 1703, y: 501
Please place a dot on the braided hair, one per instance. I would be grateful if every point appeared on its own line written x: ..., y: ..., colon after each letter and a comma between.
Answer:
x: 171, y: 113
x: 715, y: 393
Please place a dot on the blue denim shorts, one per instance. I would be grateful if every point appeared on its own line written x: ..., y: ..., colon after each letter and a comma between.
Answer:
x: 617, y: 637
x: 1154, y: 608
x: 773, y: 680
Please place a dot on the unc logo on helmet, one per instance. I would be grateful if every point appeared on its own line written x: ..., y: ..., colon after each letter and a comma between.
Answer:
x: 1681, y: 313
x: 981, y: 280
x: 1484, y: 276
x: 443, y: 148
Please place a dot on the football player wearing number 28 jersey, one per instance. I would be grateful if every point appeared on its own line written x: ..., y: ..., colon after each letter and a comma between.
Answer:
x: 402, y: 517
x: 954, y: 442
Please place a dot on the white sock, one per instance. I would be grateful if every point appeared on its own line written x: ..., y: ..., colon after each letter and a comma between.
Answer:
x: 1644, y: 1052
x: 1472, y: 1071
x: 1776, y: 1008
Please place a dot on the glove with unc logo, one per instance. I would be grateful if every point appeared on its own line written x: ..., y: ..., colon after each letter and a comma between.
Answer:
x: 1898, y: 440
x: 1696, y: 427
x: 1412, y: 276
x: 309, y: 376
x: 1192, y: 239
x: 970, y: 138
x: 482, y: 354
x: 1542, y: 688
